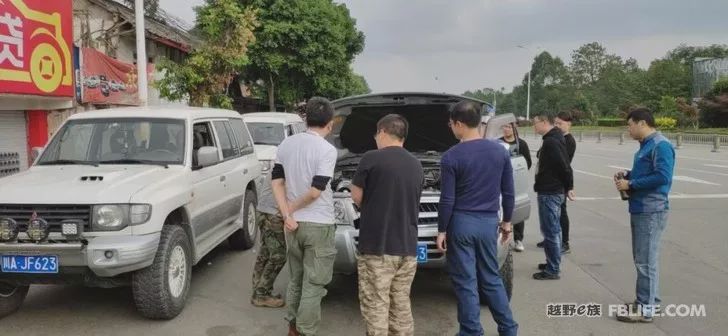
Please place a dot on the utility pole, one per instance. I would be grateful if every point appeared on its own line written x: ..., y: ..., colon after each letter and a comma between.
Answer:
x: 141, y: 46
x: 528, y: 97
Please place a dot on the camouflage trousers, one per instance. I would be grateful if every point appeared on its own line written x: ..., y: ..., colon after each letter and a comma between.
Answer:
x: 384, y: 294
x: 272, y: 255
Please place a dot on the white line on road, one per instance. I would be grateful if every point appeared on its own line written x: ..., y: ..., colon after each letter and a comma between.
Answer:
x: 592, y: 174
x: 715, y: 166
x: 678, y: 177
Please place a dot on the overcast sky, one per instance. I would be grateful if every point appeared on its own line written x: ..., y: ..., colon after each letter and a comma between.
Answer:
x: 457, y: 45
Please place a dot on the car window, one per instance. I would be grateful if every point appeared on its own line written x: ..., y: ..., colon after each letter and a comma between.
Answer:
x: 118, y: 141
x: 243, y: 136
x: 228, y: 144
x: 267, y: 133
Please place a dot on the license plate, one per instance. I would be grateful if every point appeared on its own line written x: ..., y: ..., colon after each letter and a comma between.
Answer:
x: 421, y: 253
x: 29, y: 264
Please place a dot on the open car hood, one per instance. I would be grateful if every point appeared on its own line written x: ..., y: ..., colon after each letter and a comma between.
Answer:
x: 355, y: 120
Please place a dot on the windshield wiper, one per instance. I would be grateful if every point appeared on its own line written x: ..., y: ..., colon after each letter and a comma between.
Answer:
x: 135, y: 161
x: 68, y: 162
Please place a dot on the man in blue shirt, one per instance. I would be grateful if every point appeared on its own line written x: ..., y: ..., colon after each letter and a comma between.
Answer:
x: 475, y: 173
x: 648, y: 185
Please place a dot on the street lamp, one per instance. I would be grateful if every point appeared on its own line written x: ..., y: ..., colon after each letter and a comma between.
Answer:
x: 528, y: 95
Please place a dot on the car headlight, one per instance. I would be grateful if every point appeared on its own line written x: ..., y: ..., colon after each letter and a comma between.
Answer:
x: 114, y: 217
x: 140, y: 213
x: 339, y: 212
x: 8, y: 229
x: 266, y: 165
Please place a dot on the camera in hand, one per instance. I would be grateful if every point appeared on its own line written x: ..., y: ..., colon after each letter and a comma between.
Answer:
x: 624, y: 194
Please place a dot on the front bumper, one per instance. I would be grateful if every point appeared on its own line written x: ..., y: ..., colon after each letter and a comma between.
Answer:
x: 347, y: 239
x: 130, y: 253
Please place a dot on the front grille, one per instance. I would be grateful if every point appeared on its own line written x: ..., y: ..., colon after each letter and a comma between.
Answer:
x: 429, y: 207
x: 53, y: 214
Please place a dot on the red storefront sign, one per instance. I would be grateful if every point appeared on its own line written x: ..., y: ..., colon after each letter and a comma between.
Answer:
x: 35, y: 47
x: 106, y: 80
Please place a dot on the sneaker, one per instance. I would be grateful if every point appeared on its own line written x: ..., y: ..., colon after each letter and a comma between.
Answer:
x: 634, y: 319
x: 540, y: 244
x: 565, y: 249
x: 542, y: 267
x: 633, y: 307
x: 518, y: 246
x: 267, y: 302
x: 546, y: 276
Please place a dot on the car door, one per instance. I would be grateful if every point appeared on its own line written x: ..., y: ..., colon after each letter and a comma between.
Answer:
x: 494, y: 130
x: 208, y: 186
x: 234, y: 170
x: 247, y: 166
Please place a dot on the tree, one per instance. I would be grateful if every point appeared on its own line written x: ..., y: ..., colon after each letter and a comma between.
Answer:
x: 666, y: 78
x: 690, y: 113
x: 589, y: 62
x: 715, y: 105
x: 303, y: 48
x: 687, y: 54
x: 227, y: 30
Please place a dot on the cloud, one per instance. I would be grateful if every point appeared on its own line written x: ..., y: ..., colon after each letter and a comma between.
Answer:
x: 471, y: 44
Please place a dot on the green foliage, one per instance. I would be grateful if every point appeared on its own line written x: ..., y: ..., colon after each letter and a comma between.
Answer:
x: 714, y: 107
x: 599, y: 84
x: 304, y: 48
x: 611, y: 122
x: 203, y: 78
x: 666, y: 123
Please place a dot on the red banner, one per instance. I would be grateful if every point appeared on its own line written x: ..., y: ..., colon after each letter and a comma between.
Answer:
x: 106, y: 80
x: 35, y: 47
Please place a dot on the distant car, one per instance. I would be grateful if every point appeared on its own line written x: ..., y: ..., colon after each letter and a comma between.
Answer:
x: 268, y: 130
x: 92, y: 82
x: 129, y: 197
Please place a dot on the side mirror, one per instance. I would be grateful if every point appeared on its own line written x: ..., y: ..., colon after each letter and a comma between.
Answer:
x: 35, y: 153
x: 207, y: 156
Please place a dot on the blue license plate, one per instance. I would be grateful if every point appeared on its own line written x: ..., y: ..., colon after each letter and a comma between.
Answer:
x: 29, y: 264
x: 421, y: 253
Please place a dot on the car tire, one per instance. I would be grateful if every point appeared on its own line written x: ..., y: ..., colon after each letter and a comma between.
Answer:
x: 244, y: 238
x: 506, y: 273
x: 160, y: 290
x: 11, y: 298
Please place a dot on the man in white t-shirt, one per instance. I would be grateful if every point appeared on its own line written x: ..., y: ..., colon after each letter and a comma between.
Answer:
x: 301, y: 176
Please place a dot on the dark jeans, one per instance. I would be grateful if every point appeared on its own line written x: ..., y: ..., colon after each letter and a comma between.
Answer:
x: 564, y: 224
x: 472, y: 242
x: 549, y: 213
x: 647, y: 231
x: 518, y: 231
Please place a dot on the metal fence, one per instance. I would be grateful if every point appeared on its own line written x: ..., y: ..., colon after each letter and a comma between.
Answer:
x: 678, y: 139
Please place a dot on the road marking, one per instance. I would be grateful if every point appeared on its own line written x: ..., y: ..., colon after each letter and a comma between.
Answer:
x: 671, y: 197
x: 678, y: 156
x: 678, y: 177
x: 592, y: 174
x: 715, y: 166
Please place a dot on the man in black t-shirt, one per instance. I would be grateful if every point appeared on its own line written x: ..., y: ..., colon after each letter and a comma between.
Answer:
x: 387, y: 187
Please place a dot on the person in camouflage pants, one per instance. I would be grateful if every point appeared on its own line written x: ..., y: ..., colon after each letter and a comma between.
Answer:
x: 270, y: 262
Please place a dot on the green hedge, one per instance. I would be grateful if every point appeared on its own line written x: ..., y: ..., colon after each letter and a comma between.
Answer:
x: 611, y: 122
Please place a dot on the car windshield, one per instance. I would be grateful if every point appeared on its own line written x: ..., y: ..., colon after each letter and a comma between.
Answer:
x: 117, y: 141
x: 267, y: 133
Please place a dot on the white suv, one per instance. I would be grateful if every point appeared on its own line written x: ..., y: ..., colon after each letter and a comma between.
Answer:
x: 132, y: 196
x: 268, y: 130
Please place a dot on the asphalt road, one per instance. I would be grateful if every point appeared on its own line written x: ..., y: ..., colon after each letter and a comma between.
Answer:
x: 599, y: 270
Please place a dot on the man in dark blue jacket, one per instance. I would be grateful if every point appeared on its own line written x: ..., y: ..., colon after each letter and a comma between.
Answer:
x: 475, y: 173
x: 648, y: 185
